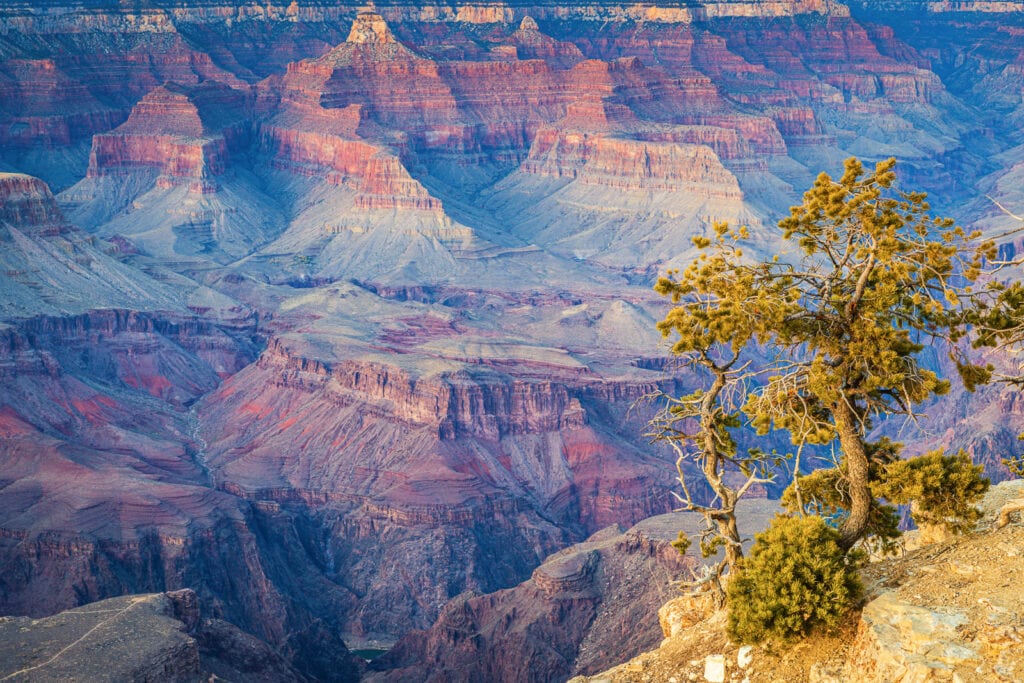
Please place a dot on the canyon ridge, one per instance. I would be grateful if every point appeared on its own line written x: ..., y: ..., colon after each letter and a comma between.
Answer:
x: 328, y: 329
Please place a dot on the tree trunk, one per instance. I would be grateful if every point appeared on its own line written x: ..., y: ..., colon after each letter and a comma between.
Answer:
x: 856, y: 458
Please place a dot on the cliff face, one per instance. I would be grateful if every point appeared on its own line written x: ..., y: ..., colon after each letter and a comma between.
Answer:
x: 362, y: 304
x: 631, y: 165
x: 409, y: 110
x: 48, y: 266
x: 579, y: 611
x: 27, y: 203
x: 48, y: 108
x: 943, y: 611
x: 162, y: 636
x: 185, y: 133
x: 107, y: 491
x: 497, y: 469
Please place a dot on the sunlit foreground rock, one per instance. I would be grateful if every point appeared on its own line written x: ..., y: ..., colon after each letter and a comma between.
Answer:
x: 948, y: 611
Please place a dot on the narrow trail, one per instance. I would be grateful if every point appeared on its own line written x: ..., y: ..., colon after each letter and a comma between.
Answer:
x: 51, y: 660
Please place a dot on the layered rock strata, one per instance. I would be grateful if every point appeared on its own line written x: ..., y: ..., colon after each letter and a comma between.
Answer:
x: 186, y: 134
x: 48, y: 266
x: 579, y: 610
x: 404, y: 464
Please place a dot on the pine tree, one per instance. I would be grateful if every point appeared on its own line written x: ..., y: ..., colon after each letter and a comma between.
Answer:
x: 874, y: 279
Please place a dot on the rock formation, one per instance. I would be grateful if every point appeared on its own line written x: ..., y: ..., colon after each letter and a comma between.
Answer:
x: 579, y: 610
x: 185, y: 134
x: 50, y: 267
x: 342, y: 312
x: 397, y: 457
x: 945, y: 611
x: 154, y: 637
x: 172, y: 156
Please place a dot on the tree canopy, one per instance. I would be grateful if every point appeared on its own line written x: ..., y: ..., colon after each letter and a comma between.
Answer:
x: 821, y: 340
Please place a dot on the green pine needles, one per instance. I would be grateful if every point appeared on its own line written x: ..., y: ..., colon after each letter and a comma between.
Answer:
x: 822, y: 342
x: 797, y: 578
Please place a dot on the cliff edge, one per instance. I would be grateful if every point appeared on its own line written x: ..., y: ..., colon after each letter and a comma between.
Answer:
x: 947, y: 611
x: 149, y: 637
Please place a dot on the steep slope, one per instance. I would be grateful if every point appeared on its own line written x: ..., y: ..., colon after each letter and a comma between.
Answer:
x: 396, y: 308
x: 165, y: 180
x: 579, y: 610
x: 50, y: 267
x: 493, y: 467
x: 141, y: 637
x: 947, y: 611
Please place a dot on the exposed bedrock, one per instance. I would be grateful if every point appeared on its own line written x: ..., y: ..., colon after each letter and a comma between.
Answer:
x: 143, y: 637
x: 472, y: 477
x: 267, y: 148
x: 299, y: 500
x: 50, y: 267
x: 185, y: 133
x: 581, y: 610
x: 626, y: 164
x: 44, y: 107
x: 26, y: 203
x: 240, y: 577
x: 104, y: 489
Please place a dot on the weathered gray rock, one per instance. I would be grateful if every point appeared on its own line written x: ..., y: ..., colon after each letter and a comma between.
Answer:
x: 151, y: 638
x: 899, y: 641
x: 130, y: 638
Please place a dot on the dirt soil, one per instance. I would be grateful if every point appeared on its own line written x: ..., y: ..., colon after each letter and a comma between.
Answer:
x: 979, y: 575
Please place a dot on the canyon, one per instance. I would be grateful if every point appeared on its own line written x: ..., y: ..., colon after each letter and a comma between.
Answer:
x: 341, y: 316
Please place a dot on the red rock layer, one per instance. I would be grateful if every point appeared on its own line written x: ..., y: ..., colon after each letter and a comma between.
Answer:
x: 587, y: 607
x: 431, y: 444
x: 453, y: 406
x: 386, y: 184
x: 42, y: 106
x: 530, y: 43
x: 27, y: 203
x: 187, y: 134
x: 625, y: 164
x: 62, y: 82
x: 498, y: 106
x: 313, y: 141
x: 105, y: 488
x: 840, y: 54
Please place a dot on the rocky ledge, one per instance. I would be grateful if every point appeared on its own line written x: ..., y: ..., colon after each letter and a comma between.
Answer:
x: 153, y: 637
x: 584, y: 607
x: 947, y: 611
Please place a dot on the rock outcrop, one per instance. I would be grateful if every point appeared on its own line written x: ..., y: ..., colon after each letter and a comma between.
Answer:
x: 358, y: 305
x: 945, y: 611
x: 174, y: 156
x: 151, y: 637
x: 186, y: 134
x: 26, y: 203
x: 48, y: 266
x: 954, y: 612
x: 106, y: 489
x: 142, y: 637
x: 581, y: 610
x: 402, y: 460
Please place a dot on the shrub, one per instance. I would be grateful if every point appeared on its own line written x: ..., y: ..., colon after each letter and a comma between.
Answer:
x: 825, y: 493
x: 941, y: 489
x: 797, y: 578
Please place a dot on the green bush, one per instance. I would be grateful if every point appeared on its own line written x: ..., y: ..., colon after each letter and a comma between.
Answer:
x: 796, y: 578
x: 1016, y: 464
x: 941, y: 489
x: 825, y: 493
